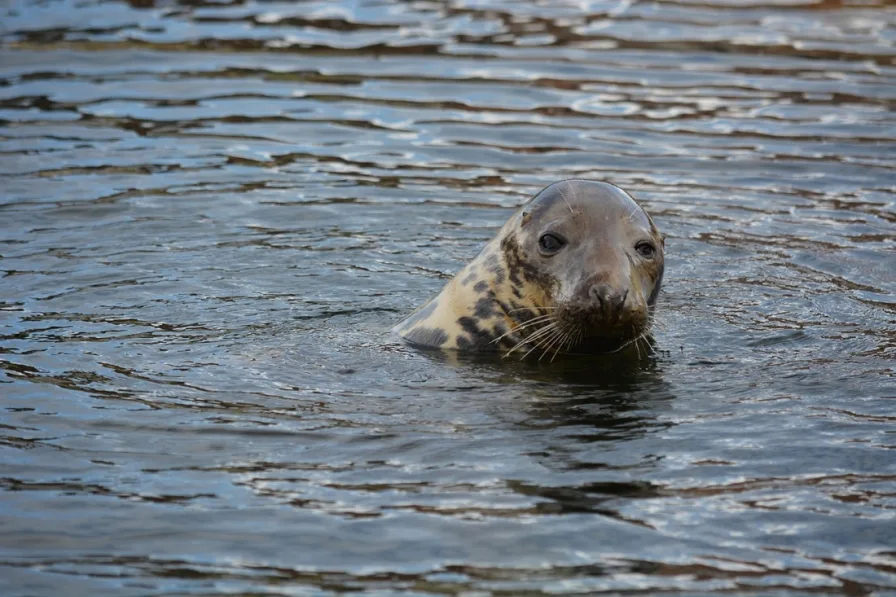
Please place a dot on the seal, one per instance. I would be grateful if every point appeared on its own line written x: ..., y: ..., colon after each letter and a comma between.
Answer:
x: 577, y: 269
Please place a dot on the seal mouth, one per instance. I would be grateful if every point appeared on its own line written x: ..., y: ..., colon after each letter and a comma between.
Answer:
x: 581, y: 331
x: 596, y: 330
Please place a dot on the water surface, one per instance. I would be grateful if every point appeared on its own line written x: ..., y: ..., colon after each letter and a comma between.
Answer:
x: 212, y: 213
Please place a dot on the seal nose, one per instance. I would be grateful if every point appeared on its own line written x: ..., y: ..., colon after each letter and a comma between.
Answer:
x: 608, y: 298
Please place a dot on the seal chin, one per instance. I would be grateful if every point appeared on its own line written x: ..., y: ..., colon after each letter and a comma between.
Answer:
x: 594, y: 329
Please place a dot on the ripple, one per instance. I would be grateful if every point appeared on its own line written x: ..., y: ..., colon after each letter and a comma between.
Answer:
x: 212, y: 214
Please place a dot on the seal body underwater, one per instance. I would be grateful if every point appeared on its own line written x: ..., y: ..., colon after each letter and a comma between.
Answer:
x: 577, y: 269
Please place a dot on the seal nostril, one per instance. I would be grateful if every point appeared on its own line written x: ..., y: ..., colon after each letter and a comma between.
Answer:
x: 602, y: 294
x: 606, y: 297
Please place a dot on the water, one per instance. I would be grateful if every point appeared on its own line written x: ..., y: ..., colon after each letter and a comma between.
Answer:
x: 212, y: 213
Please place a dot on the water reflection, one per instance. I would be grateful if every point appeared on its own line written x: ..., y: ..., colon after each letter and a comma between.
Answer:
x: 213, y: 213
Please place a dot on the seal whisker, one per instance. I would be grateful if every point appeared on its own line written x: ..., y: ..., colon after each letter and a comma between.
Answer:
x: 577, y: 337
x: 566, y: 338
x: 571, y: 188
x: 648, y: 350
x: 536, y: 345
x: 541, y: 308
x: 552, y: 330
x: 525, y: 324
x: 639, y: 337
x: 652, y: 322
x: 539, y: 333
x: 532, y: 337
x: 564, y: 342
x: 547, y: 347
x: 562, y: 194
x: 572, y: 341
x: 540, y: 344
x: 537, y: 319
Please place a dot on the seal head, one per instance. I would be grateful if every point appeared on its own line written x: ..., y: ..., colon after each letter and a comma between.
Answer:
x: 577, y: 269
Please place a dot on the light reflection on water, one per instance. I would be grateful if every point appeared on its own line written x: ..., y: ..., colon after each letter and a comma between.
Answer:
x: 212, y: 214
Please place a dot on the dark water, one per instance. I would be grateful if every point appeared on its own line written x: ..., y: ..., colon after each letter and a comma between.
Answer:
x: 211, y: 214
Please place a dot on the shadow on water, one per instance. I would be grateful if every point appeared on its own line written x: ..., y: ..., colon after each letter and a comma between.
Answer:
x: 211, y: 212
x: 625, y: 375
x: 609, y: 393
x: 578, y: 401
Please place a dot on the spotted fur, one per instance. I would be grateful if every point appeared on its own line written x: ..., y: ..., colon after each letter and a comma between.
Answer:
x: 504, y: 298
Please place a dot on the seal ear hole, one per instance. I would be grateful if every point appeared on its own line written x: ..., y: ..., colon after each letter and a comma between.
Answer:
x: 550, y: 243
x: 645, y: 249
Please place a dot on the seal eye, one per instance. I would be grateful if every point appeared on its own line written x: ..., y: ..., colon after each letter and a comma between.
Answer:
x: 549, y: 244
x: 645, y: 250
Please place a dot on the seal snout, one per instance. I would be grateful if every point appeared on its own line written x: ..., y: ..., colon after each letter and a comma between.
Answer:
x: 605, y: 309
x: 607, y: 299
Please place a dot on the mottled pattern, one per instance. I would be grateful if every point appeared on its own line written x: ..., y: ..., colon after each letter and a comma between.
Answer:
x: 469, y: 313
x: 522, y: 271
x: 425, y: 336
x: 493, y: 302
